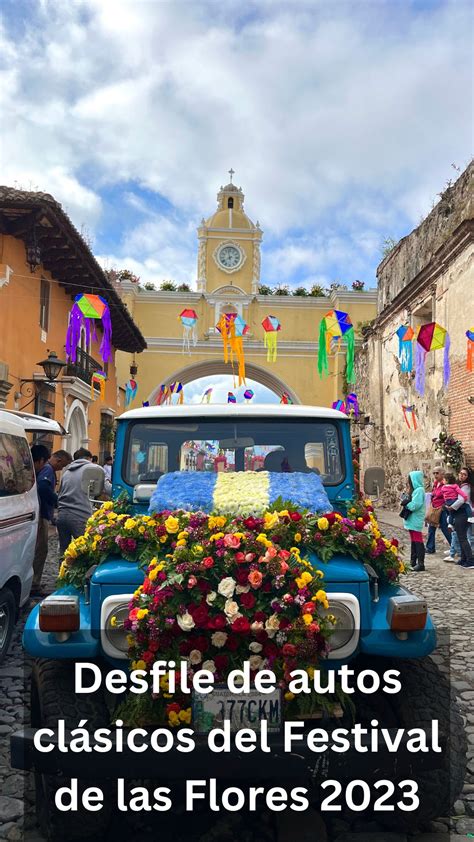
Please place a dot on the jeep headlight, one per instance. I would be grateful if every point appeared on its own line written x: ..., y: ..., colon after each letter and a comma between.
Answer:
x: 344, y: 639
x: 114, y: 612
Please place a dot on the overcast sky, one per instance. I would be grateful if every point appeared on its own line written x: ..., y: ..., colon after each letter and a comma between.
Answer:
x: 341, y: 120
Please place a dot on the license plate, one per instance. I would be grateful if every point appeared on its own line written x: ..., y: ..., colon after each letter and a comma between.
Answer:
x: 244, y: 710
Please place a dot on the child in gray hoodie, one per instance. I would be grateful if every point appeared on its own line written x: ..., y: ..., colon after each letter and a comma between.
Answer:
x: 74, y: 506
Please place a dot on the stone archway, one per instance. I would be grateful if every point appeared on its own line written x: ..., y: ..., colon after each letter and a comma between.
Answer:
x: 76, y: 425
x: 209, y: 367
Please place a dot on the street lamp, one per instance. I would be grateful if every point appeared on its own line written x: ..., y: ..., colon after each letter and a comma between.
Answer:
x: 52, y: 366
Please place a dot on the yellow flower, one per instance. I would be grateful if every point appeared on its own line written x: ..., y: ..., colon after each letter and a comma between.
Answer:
x: 138, y: 665
x: 185, y: 715
x: 319, y: 573
x: 63, y: 569
x: 130, y: 639
x: 138, y: 591
x: 298, y: 537
x: 310, y: 671
x: 401, y: 567
x: 304, y: 579
x: 173, y: 719
x: 183, y: 536
x: 367, y: 502
x: 172, y: 524
x: 112, y: 516
x: 337, y: 516
x: 107, y: 505
x: 284, y: 513
x: 113, y: 622
x: 71, y: 552
x: 394, y: 550
x: 216, y: 522
x: 181, y: 543
x: 295, y: 551
x: 217, y: 536
x: 352, y: 511
x: 289, y: 696
x: 130, y: 523
x: 323, y: 523
x: 152, y: 574
x: 270, y: 519
x: 307, y: 619
x: 153, y: 561
x: 320, y: 596
x: 141, y: 613
x: 141, y: 529
x: 163, y: 539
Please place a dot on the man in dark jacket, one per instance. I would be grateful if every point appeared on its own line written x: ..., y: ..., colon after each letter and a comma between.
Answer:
x: 74, y: 506
x: 45, y: 467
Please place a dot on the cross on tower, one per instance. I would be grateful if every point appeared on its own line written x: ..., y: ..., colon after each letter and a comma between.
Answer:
x: 231, y: 173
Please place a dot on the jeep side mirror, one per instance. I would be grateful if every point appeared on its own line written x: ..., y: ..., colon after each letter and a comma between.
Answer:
x: 93, y: 480
x: 374, y: 482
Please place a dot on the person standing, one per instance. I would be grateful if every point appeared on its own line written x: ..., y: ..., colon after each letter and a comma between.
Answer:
x: 466, y: 482
x: 107, y: 466
x: 74, y: 506
x: 437, y: 504
x: 46, y: 484
x: 415, y: 504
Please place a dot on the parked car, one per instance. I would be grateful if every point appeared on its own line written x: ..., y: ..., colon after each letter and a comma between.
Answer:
x: 18, y: 514
x: 381, y: 622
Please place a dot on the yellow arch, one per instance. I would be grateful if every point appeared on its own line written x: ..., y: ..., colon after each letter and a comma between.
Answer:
x: 206, y: 368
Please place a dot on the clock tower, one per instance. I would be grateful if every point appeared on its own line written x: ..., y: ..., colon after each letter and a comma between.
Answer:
x: 229, y: 246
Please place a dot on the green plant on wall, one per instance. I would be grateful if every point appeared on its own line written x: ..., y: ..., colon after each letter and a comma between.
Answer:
x: 450, y: 450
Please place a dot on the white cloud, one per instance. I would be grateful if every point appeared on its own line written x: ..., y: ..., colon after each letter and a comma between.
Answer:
x: 330, y: 113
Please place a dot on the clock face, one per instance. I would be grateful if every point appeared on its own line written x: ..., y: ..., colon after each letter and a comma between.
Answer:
x: 229, y: 257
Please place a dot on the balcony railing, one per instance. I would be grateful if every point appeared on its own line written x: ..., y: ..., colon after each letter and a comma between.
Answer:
x: 84, y: 367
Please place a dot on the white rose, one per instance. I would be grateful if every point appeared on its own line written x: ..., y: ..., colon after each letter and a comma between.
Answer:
x: 211, y: 597
x: 195, y: 656
x: 218, y: 639
x: 227, y: 587
x: 256, y: 627
x: 242, y: 588
x: 231, y: 608
x: 185, y: 622
x: 255, y: 646
x: 209, y: 665
x: 256, y: 662
x: 272, y: 625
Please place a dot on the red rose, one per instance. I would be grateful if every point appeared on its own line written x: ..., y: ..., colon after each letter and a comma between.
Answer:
x: 232, y: 643
x: 185, y: 647
x: 240, y: 557
x: 241, y: 576
x: 173, y: 707
x: 284, y: 622
x: 270, y: 649
x: 394, y: 542
x: 359, y: 525
x: 253, y: 523
x: 259, y: 616
x: 200, y: 614
x: 148, y: 656
x: 330, y: 517
x: 200, y: 643
x: 267, y: 587
x: 308, y: 608
x: 247, y: 600
x: 241, y: 625
x: 208, y: 562
x: 284, y: 555
x: 289, y: 651
x: 218, y: 622
x: 221, y: 662
x: 295, y: 516
x: 153, y: 646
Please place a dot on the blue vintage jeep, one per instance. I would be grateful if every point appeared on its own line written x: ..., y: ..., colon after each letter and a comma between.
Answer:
x: 379, y: 623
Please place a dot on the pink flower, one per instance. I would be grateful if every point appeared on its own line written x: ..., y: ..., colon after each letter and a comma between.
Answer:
x: 232, y: 541
x: 255, y: 578
x: 192, y: 582
x: 270, y: 553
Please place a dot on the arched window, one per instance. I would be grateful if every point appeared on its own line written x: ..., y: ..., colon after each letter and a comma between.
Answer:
x: 230, y: 202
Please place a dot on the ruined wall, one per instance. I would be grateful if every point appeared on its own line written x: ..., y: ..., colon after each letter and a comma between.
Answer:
x: 414, y: 252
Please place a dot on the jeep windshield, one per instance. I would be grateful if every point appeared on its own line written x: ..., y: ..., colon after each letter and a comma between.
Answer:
x: 155, y: 447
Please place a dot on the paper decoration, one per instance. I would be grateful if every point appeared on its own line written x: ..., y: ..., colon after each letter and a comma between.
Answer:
x: 84, y: 313
x: 165, y: 395
x: 248, y: 395
x: 334, y: 326
x: 285, y: 398
x: 430, y: 337
x: 409, y: 410
x: 131, y: 389
x: 145, y: 403
x: 232, y: 328
x: 352, y: 404
x: 99, y: 378
x: 271, y: 326
x: 206, y: 398
x: 231, y: 397
x: 405, y: 335
x: 339, y: 405
x: 470, y: 349
x: 189, y: 321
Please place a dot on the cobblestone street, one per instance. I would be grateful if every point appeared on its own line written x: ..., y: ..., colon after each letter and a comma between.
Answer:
x: 448, y: 590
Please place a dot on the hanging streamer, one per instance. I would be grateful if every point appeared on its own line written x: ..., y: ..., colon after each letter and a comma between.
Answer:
x: 352, y: 405
x: 167, y: 391
x: 285, y: 398
x: 131, y: 389
x: 431, y: 337
x: 271, y: 326
x: 189, y: 319
x: 470, y: 349
x: 84, y: 313
x: 206, y: 398
x: 405, y: 335
x: 232, y: 329
x: 409, y: 410
x: 336, y: 325
x: 98, y: 378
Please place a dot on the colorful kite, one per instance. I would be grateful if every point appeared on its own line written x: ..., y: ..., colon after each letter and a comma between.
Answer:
x: 131, y: 389
x: 248, y: 395
x: 232, y: 328
x: 339, y: 405
x: 352, y: 405
x: 165, y: 395
x: 271, y: 326
x: 430, y: 337
x: 231, y: 397
x: 98, y: 378
x: 336, y: 325
x: 189, y: 321
x: 285, y: 398
x: 412, y: 411
x: 84, y: 312
x: 470, y: 349
x: 206, y: 398
x: 405, y: 335
x: 145, y: 403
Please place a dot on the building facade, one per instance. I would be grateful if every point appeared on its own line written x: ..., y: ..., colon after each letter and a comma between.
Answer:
x: 44, y: 263
x: 228, y: 280
x: 427, y: 277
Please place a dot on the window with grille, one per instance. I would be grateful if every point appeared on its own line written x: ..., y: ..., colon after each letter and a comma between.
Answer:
x: 44, y: 304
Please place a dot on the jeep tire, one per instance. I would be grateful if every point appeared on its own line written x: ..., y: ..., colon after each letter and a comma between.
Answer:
x: 8, y: 612
x: 53, y: 698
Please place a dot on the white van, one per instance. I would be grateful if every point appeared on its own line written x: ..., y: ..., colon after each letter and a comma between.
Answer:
x: 18, y: 514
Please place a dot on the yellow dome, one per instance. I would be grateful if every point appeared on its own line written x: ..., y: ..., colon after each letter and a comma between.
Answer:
x: 229, y: 198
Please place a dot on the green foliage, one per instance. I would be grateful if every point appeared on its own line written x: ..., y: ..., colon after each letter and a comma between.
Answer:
x: 450, y: 450
x: 302, y: 292
x: 168, y: 286
x: 265, y: 290
x: 318, y: 291
x: 149, y: 285
x: 281, y: 290
x: 183, y: 288
x: 388, y: 245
